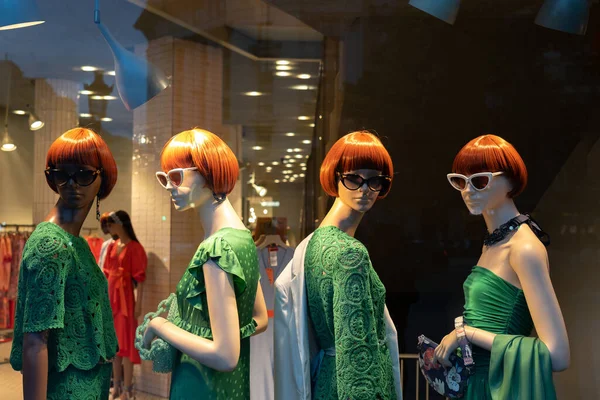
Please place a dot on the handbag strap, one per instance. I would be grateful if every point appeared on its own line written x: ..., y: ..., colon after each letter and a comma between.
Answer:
x: 465, y: 346
x: 163, y: 306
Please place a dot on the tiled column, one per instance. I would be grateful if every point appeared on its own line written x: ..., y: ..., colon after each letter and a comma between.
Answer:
x: 169, y: 237
x: 56, y: 105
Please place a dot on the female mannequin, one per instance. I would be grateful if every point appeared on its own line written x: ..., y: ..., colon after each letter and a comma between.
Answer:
x: 125, y: 268
x: 104, y: 249
x: 64, y: 338
x: 510, y: 290
x: 219, y: 297
x: 346, y: 299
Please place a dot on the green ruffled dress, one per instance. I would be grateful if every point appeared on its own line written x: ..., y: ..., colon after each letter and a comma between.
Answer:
x: 234, y: 251
x: 62, y: 290
x: 518, y: 367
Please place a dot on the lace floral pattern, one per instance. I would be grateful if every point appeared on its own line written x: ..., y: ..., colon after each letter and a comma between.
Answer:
x: 346, y: 305
x: 61, y: 289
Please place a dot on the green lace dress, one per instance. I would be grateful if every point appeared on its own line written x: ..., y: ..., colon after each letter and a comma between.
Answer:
x: 518, y: 367
x: 234, y: 251
x: 346, y: 300
x: 62, y: 290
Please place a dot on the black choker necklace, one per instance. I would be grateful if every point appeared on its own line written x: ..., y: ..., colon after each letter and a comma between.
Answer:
x: 510, y: 227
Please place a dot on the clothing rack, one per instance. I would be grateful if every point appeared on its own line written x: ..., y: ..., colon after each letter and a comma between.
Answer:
x: 16, y: 226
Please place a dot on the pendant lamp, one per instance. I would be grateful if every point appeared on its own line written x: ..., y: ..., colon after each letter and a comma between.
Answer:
x: 137, y: 79
x: 7, y: 142
x: 34, y: 122
x: 570, y: 16
x: 446, y: 10
x: 19, y: 14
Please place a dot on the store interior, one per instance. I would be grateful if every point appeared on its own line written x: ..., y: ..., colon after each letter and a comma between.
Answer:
x: 280, y: 81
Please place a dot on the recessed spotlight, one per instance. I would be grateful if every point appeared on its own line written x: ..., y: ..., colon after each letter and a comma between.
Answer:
x: 297, y: 150
x: 261, y: 163
x: 283, y: 68
x: 303, y: 118
x: 282, y: 73
x: 290, y: 134
x: 268, y: 169
x: 290, y: 150
x: 306, y: 141
x: 289, y: 165
x: 88, y: 68
x: 295, y: 175
x: 107, y: 119
x: 303, y: 168
x: 285, y: 180
x: 287, y: 156
x: 85, y: 115
x: 292, y: 179
x: 275, y: 163
x: 304, y: 76
x: 19, y: 112
x: 301, y: 175
x: 257, y: 148
x: 96, y: 97
x: 276, y: 181
x: 253, y: 94
x: 312, y: 125
x: 303, y: 164
x: 298, y: 156
x: 282, y: 62
x: 300, y: 87
x: 86, y: 92
x: 111, y: 73
x: 291, y: 160
x: 265, y: 211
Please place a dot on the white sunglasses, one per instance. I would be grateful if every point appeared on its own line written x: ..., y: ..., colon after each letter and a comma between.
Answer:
x: 479, y: 181
x: 175, y: 176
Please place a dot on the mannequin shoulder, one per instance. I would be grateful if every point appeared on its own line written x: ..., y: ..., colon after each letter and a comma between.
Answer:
x: 527, y: 250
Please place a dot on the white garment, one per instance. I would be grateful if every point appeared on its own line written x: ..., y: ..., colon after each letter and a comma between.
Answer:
x: 295, y: 344
x: 103, y: 252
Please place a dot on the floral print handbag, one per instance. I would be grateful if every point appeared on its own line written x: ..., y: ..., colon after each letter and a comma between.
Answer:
x: 449, y: 382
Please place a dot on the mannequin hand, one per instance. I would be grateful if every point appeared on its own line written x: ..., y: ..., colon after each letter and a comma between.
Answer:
x: 151, y: 331
x: 447, y: 346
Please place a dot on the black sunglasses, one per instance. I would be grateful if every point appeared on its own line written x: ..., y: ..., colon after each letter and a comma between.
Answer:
x: 82, y: 177
x: 379, y: 183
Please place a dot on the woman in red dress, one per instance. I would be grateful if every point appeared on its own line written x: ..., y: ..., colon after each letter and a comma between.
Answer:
x: 125, y: 268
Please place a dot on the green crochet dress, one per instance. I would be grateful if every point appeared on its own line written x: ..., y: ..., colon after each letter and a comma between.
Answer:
x: 62, y: 290
x: 346, y: 303
x: 518, y: 367
x: 234, y: 251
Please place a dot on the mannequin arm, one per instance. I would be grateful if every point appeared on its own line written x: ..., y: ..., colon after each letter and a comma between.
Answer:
x: 139, y: 295
x: 259, y: 313
x: 223, y: 352
x: 530, y: 262
x: 35, y: 365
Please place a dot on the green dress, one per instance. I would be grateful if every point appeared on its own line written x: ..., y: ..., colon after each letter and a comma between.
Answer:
x: 234, y: 251
x: 518, y: 367
x: 346, y: 301
x: 62, y: 290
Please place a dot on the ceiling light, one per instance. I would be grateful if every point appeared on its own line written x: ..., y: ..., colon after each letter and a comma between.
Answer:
x: 301, y: 175
x: 298, y: 156
x: 282, y: 62
x: 265, y: 211
x: 290, y: 150
x: 282, y: 73
x: 86, y: 92
x: 253, y: 94
x: 312, y: 125
x: 85, y: 115
x: 111, y: 73
x: 106, y: 119
x: 268, y: 169
x: 257, y: 148
x: 300, y: 87
x: 306, y: 141
x: 291, y: 160
x: 34, y: 122
x: 303, y: 164
x: 303, y: 76
x: 290, y: 134
x: 303, y: 168
x: 287, y: 177
x: 285, y: 180
x: 19, y: 14
x: 289, y: 165
x: 88, y: 68
x: 287, y: 156
x: 297, y: 150
x: 19, y: 112
x: 570, y: 16
x: 446, y: 10
x: 295, y: 175
x: 97, y: 97
x: 261, y: 164
x: 275, y: 163
x: 276, y: 181
x: 292, y: 179
x: 303, y: 118
x: 283, y: 68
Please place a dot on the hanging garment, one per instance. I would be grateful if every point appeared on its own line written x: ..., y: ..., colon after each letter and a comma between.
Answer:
x: 272, y: 260
x: 95, y: 244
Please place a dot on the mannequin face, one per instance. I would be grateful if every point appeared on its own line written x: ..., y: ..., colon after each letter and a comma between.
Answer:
x: 74, y: 195
x: 362, y: 199
x: 191, y: 193
x: 488, y: 199
x: 115, y: 230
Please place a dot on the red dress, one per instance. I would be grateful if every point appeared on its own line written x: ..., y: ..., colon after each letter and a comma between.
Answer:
x: 121, y: 269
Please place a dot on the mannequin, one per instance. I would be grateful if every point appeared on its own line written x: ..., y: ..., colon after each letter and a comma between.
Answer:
x: 345, y: 298
x: 219, y: 297
x: 509, y: 291
x: 104, y: 228
x: 125, y: 269
x: 59, y: 281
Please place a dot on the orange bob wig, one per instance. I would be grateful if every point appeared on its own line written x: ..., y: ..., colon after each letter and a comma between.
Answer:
x: 356, y: 150
x: 491, y: 153
x: 105, y: 218
x: 81, y: 146
x: 206, y: 151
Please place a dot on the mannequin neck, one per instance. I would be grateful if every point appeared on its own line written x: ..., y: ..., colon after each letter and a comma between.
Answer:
x: 215, y: 216
x: 500, y: 215
x: 69, y: 219
x: 343, y: 217
x: 124, y: 237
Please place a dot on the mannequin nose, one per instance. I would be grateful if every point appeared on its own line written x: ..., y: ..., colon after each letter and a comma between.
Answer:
x: 364, y: 188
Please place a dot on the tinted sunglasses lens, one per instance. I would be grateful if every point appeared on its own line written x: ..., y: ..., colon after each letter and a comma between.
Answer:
x: 59, y: 177
x: 458, y: 183
x: 85, y: 177
x: 352, y: 182
x: 176, y: 177
x: 162, y: 179
x: 377, y: 183
x: 480, y: 182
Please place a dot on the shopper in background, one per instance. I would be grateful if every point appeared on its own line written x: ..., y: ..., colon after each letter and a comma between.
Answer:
x: 64, y: 337
x: 125, y: 268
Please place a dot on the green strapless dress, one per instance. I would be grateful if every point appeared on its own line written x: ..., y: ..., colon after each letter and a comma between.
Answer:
x: 518, y: 367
